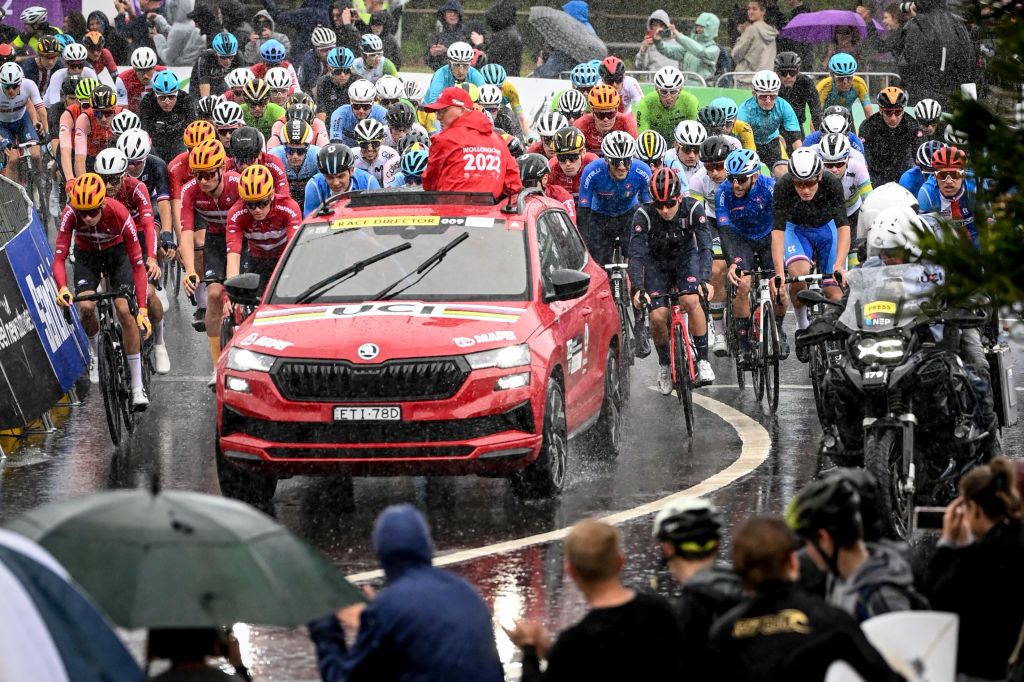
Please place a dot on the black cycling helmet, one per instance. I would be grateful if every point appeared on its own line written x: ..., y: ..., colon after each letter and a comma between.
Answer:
x: 401, y: 115
x: 300, y: 111
x: 831, y: 504
x: 712, y: 117
x: 691, y: 525
x: 335, y: 158
x: 532, y: 167
x: 715, y: 148
x: 67, y: 88
x: 515, y: 146
x: 787, y: 60
x: 569, y: 140
x: 414, y: 136
x: 841, y: 111
x: 246, y: 144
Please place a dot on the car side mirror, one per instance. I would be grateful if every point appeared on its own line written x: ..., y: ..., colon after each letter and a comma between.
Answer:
x: 811, y: 297
x: 244, y: 289
x: 567, y: 284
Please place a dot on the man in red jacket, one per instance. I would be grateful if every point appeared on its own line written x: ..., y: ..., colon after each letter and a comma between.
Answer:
x: 467, y: 155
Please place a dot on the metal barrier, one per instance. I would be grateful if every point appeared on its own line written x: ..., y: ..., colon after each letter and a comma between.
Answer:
x: 648, y: 77
x: 876, y: 80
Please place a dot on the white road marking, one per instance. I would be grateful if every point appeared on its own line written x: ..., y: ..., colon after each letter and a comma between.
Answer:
x: 753, y: 452
x: 804, y: 387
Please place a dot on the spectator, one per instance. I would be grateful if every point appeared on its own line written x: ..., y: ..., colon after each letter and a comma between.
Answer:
x: 7, y: 33
x: 137, y: 26
x: 580, y: 11
x: 626, y: 635
x: 976, y: 570
x: 349, y: 27
x: 886, y: 46
x: 452, y: 31
x: 427, y: 624
x: 552, y: 62
x: 648, y: 59
x: 97, y: 21
x: 311, y: 14
x: 265, y: 29
x: 697, y: 52
x: 187, y: 650
x: 182, y: 40
x: 844, y: 39
x: 75, y: 25
x: 796, y: 8
x: 937, y: 54
x: 502, y: 42
x: 235, y: 19
x: 380, y: 26
x: 783, y: 633
x: 755, y: 49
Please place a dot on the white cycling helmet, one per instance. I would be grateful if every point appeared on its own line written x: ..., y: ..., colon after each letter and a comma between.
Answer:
x: 572, y: 102
x: 881, y: 198
x: 834, y: 147
x: 834, y: 123
x: 368, y: 130
x: 895, y: 227
x: 11, y: 75
x: 766, y: 81
x: 690, y: 133
x: 123, y: 121
x: 111, y: 161
x: 804, y: 164
x: 143, y: 58
x: 135, y: 144
x: 74, y: 52
x: 362, y: 91
x: 237, y: 78
x: 371, y: 43
x: 34, y: 15
x: 389, y: 87
x: 490, y: 96
x: 228, y: 114
x: 323, y: 37
x: 955, y: 137
x: 549, y: 123
x: 460, y: 53
x: 414, y: 91
x: 927, y: 111
x: 618, y: 144
x: 668, y: 78
x: 687, y: 518
x: 278, y: 78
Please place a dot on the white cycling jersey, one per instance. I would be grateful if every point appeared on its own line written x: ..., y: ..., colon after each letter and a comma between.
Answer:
x: 703, y: 188
x: 630, y: 94
x: 684, y: 172
x: 13, y: 108
x: 52, y: 94
x: 856, y: 181
x: 385, y: 167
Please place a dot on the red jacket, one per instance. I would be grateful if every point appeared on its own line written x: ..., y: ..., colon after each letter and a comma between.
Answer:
x: 561, y: 195
x: 557, y: 177
x: 586, y: 125
x: 469, y: 156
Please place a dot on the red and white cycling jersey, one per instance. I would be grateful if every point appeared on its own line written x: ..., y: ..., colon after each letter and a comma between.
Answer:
x: 213, y: 211
x: 267, y: 238
x: 276, y: 167
x: 135, y: 196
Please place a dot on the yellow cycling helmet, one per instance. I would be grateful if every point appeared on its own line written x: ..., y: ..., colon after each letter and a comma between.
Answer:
x: 256, y: 91
x: 472, y: 90
x: 83, y: 91
x: 198, y: 131
x: 297, y: 132
x: 207, y: 155
x: 256, y: 183
x: 88, y: 192
x: 603, y: 97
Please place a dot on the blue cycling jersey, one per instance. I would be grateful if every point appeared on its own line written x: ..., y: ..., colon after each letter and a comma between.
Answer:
x: 767, y: 124
x: 443, y: 78
x: 343, y: 123
x: 750, y: 216
x: 815, y: 138
x: 304, y: 172
x: 605, y: 195
x: 317, y: 189
x: 958, y: 209
x: 912, y: 179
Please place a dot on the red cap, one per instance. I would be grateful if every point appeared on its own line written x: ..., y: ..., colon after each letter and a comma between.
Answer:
x: 451, y: 97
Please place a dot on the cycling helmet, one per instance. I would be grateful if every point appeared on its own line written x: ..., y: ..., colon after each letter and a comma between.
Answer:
x: 103, y: 98
x: 949, y: 158
x: 611, y: 69
x: 690, y: 133
x: 323, y: 37
x: 743, y: 162
x: 834, y: 123
x: 272, y: 52
x: 414, y: 163
x: 83, y: 91
x: 370, y: 43
x: 11, y: 75
x: 668, y: 78
x: 340, y: 58
x: 299, y: 112
x: 804, y: 164
x: 34, y: 15
x: 389, y: 87
x: 7, y: 53
x: 584, y: 75
x: 651, y: 146
x: 225, y: 44
x: 715, y: 149
x: 954, y: 136
x: 256, y: 91
x: 691, y: 525
x: 712, y: 117
x: 296, y: 132
x: 228, y: 114
x: 48, y: 46
x: 927, y: 111
x: 111, y: 161
x: 135, y: 144
x: 256, y: 183
x: 842, y: 64
x: 368, y: 130
x: 64, y: 39
x: 401, y: 116
x: 237, y: 78
x: 787, y: 60
x: 726, y: 105
x: 143, y: 58
x: 124, y: 120
x: 532, y: 167
x: 479, y: 59
x: 415, y: 91
x: 549, y: 123
x: 460, y: 53
x: 491, y: 97
x: 93, y: 40
x: 839, y: 110
x: 75, y: 52
x: 618, y: 144
x: 832, y: 504
x: 207, y: 155
x: 361, y: 92
x: 892, y: 97
x: 246, y: 144
x: 205, y: 106
x: 895, y: 227
x: 67, y: 88
x: 335, y: 158
x: 766, y: 81
x: 569, y: 140
x: 514, y: 144
x: 603, y: 97
x: 88, y: 192
x: 494, y: 74
x: 414, y: 136
x: 834, y: 147
x: 924, y: 154
x: 278, y: 78
x: 165, y: 83
x: 572, y: 104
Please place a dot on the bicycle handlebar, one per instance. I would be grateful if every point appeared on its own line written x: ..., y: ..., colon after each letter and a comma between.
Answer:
x: 797, y: 279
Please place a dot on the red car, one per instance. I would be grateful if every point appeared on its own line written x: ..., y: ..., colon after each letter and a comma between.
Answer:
x: 422, y: 333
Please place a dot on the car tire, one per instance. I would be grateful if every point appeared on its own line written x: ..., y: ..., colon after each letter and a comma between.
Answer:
x: 247, y: 487
x: 545, y: 476
x: 606, y: 436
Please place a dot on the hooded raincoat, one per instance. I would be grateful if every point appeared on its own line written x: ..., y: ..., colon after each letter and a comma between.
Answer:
x: 755, y: 49
x: 447, y: 35
x: 503, y: 44
x: 580, y: 11
x: 113, y: 40
x: 179, y: 41
x: 697, y: 52
x: 251, y: 54
x: 883, y: 583
x: 652, y: 59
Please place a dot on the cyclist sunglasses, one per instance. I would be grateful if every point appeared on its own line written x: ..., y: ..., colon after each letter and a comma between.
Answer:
x: 207, y: 175
x: 387, y: 103
x: 341, y: 72
x: 296, y: 151
x: 113, y: 179
x: 834, y: 164
x: 740, y: 179
x: 892, y: 111
x: 568, y: 158
x: 805, y: 184
x: 255, y: 205
x: 693, y: 149
x: 666, y: 205
x: 605, y: 115
x: 370, y: 144
x: 622, y: 163
x: 91, y: 213
x: 672, y: 91
x: 787, y: 73
x: 362, y: 107
x: 948, y: 175
x: 173, y: 95
x: 714, y: 165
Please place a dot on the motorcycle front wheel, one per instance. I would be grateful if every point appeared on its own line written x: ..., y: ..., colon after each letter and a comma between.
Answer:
x: 883, y: 458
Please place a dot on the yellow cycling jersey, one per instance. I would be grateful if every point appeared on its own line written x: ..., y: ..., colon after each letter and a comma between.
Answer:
x: 742, y: 131
x: 859, y: 92
x: 511, y: 94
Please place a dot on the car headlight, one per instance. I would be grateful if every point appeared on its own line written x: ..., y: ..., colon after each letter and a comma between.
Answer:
x: 502, y: 358
x: 885, y: 351
x: 245, y: 360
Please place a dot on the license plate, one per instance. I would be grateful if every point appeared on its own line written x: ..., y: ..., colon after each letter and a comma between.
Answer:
x: 377, y: 413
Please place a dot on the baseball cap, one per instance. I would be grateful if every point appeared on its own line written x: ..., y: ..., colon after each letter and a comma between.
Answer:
x: 450, y: 97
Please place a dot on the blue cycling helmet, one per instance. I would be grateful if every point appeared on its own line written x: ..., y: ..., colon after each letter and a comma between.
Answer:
x: 64, y: 39
x: 584, y: 75
x: 494, y: 74
x: 414, y: 162
x: 842, y: 64
x: 165, y: 83
x: 272, y: 52
x: 728, y: 106
x: 742, y: 162
x: 340, y: 58
x: 225, y: 44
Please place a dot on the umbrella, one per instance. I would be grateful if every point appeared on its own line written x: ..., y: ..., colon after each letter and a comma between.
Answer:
x: 175, y: 559
x: 562, y: 32
x: 818, y: 27
x: 49, y: 630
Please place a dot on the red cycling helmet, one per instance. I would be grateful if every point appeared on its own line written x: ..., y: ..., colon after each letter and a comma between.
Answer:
x: 949, y: 158
x: 6, y: 53
x: 665, y: 185
x: 611, y: 70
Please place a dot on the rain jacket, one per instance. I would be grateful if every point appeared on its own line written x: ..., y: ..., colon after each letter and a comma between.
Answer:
x: 556, y: 63
x: 755, y: 49
x: 938, y: 53
x: 236, y: 21
x: 503, y: 44
x: 428, y: 624
x: 313, y: 13
x: 447, y: 35
x: 462, y: 159
x: 114, y: 41
x: 580, y: 11
x: 251, y: 54
x: 179, y: 41
x: 166, y: 128
x: 652, y: 59
x: 697, y: 52
x: 883, y: 583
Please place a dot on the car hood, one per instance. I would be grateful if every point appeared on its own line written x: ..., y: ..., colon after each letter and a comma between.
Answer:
x: 375, y: 332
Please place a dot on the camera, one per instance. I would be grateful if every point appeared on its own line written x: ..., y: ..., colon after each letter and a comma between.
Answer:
x: 665, y: 33
x: 928, y: 518
x: 908, y: 7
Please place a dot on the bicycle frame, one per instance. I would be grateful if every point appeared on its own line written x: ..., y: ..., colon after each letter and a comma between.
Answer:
x: 764, y: 334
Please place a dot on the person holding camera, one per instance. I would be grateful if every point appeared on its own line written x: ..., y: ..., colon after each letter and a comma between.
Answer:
x: 264, y: 29
x: 697, y: 52
x: 650, y: 58
x: 138, y: 28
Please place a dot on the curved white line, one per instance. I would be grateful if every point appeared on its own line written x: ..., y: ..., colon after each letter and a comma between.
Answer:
x: 753, y: 452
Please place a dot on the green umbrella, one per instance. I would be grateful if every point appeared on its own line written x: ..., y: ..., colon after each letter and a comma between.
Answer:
x: 173, y: 559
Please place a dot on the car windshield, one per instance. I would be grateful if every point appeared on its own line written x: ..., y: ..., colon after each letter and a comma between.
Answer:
x: 491, y: 264
x: 884, y: 298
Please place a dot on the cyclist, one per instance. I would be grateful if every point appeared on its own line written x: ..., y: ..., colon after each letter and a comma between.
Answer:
x: 298, y: 153
x: 178, y: 174
x: 414, y: 93
x: 798, y: 89
x: 414, y: 165
x: 842, y: 86
x: 313, y: 64
x: 152, y: 171
x: 332, y: 87
x: 165, y: 113
x: 246, y: 148
x: 702, y: 188
x: 380, y: 161
x: 257, y: 109
x: 670, y: 254
x: 235, y: 80
x: 106, y: 244
x: 684, y: 158
x: 93, y: 132
x: 890, y: 137
x: 535, y: 172
x: 206, y: 105
x: 75, y: 58
x: 455, y: 72
x: 495, y: 74
x: 548, y: 123
x: 651, y: 148
x: 950, y: 193
x: 390, y: 90
x: 227, y: 118
x: 37, y: 25
x: 337, y: 174
x: 743, y: 213
x: 280, y: 84
x: 263, y: 220
x: 572, y: 104
x: 136, y: 80
x: 610, y: 191
x: 835, y: 153
x: 604, y: 117
x: 401, y: 120
x: 741, y: 130
x: 927, y: 112
x: 612, y: 71
x: 492, y: 103
x: 772, y: 121
x: 571, y: 157
x: 272, y: 56
x: 372, y: 64
x: 836, y: 119
x: 21, y: 109
x: 299, y: 109
x: 43, y: 65
x: 343, y: 121
x: 66, y: 121
x: 714, y: 121
x: 663, y: 109
x: 100, y: 58
x: 914, y: 178
x: 214, y: 64
x: 412, y: 138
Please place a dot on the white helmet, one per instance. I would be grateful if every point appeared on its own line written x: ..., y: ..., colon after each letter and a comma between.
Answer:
x: 690, y: 133
x: 834, y: 123
x: 927, y: 111
x: 414, y: 91
x: 74, y: 52
x: 11, y: 75
x: 278, y: 78
x: 460, y: 52
x: 668, y: 78
x: 143, y: 58
x: 228, y: 114
x: 955, y: 137
x: 237, y: 78
x: 370, y: 43
x: 111, y: 161
x: 766, y: 82
x: 362, y: 91
x: 135, y: 144
x: 549, y: 123
x: 490, y: 96
x: 572, y: 101
x: 687, y: 518
x: 834, y: 147
x: 618, y: 144
x: 804, y: 164
x: 895, y: 227
x: 123, y: 121
x: 389, y: 87
x: 323, y: 37
x: 881, y: 198
x: 34, y: 15
x: 368, y: 130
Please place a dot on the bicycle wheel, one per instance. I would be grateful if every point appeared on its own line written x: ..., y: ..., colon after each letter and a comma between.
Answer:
x: 756, y: 354
x: 176, y: 272
x: 109, y: 386
x: 626, y: 324
x: 124, y: 389
x: 681, y: 376
x: 770, y: 344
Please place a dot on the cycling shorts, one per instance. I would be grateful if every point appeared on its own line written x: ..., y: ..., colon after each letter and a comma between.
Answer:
x: 602, y: 233
x: 113, y: 263
x: 215, y: 253
x: 772, y: 151
x: 264, y: 267
x: 19, y: 131
x: 752, y: 252
x: 815, y: 244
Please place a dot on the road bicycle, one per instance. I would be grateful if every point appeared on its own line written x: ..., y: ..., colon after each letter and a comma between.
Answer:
x: 619, y: 282
x: 732, y: 336
x: 172, y: 272
x: 682, y: 356
x: 819, y: 355
x: 32, y: 174
x: 764, y: 335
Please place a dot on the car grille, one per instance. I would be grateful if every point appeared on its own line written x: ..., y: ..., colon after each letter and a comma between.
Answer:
x: 428, y: 452
x: 394, y: 380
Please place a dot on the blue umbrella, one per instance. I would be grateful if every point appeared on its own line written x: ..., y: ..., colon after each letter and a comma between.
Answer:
x: 48, y: 629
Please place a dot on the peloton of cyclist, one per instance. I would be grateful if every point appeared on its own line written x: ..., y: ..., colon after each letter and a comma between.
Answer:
x: 772, y: 120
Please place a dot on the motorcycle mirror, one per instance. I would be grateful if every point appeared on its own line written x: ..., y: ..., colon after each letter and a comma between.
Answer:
x: 812, y: 297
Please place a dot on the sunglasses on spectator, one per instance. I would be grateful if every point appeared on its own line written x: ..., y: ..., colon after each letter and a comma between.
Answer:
x: 296, y: 151
x: 805, y: 184
x: 605, y: 115
x: 164, y: 98
x: 622, y: 163
x: 362, y: 107
x: 341, y: 72
x: 256, y: 205
x: 714, y: 165
x: 568, y: 158
x: 208, y: 175
x: 740, y: 179
x: 666, y: 205
x: 91, y: 213
x: 892, y: 111
x: 787, y: 73
x: 949, y: 174
x: 834, y: 164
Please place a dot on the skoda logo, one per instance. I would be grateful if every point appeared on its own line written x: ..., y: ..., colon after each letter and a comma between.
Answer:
x: 368, y: 351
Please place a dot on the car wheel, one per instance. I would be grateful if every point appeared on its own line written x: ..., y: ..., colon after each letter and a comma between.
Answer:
x: 607, y: 433
x: 242, y: 485
x: 545, y: 476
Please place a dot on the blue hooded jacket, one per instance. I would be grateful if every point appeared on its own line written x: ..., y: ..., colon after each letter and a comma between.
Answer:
x: 428, y: 624
x: 580, y: 11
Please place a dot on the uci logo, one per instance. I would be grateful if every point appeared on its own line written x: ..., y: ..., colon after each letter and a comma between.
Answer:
x: 368, y: 351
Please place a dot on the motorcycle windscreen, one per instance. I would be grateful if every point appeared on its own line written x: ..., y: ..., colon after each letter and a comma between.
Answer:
x: 888, y: 297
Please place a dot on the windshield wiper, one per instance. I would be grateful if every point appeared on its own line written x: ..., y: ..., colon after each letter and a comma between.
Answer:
x: 422, y: 269
x: 323, y: 286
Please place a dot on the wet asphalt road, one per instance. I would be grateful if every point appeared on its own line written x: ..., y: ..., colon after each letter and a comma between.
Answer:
x: 175, y: 441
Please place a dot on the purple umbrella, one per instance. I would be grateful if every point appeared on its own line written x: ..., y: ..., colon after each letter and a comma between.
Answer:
x: 818, y: 27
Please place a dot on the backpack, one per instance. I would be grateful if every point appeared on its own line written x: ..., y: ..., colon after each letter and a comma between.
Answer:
x: 864, y: 594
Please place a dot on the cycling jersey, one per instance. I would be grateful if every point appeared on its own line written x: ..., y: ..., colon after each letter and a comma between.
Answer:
x: 265, y: 123
x: 213, y: 211
x: 390, y: 141
x: 318, y: 191
x: 742, y: 131
x: 766, y: 125
x: 320, y: 136
x: 385, y: 68
x: 134, y: 195
x: 682, y: 170
x: 586, y: 125
x: 298, y: 177
x: 913, y: 179
x: 275, y: 165
x: 670, y: 254
x: 830, y: 96
x: 343, y: 123
x: 856, y: 185
x: 311, y: 68
x: 815, y: 138
x: 803, y: 96
x: 959, y: 209
x: 889, y: 151
x: 209, y: 72
x: 91, y: 136
x: 51, y: 95
x: 511, y: 97
x: 652, y: 115
x: 702, y: 189
x: 604, y: 203
x: 37, y: 74
x: 630, y: 94
x: 384, y: 167
x: 811, y: 227
x: 558, y: 177
x: 134, y: 88
x: 443, y: 78
x: 266, y: 238
x: 562, y: 196
x: 12, y: 109
x: 749, y: 216
x: 154, y: 174
x: 330, y: 96
x: 179, y: 172
x: 22, y: 40
x: 260, y: 71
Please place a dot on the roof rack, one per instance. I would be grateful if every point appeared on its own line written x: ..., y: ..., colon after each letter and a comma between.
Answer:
x: 520, y: 204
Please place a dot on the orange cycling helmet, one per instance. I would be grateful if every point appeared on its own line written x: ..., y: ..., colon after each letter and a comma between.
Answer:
x: 603, y: 96
x: 88, y: 192
x: 256, y: 183
x: 665, y: 185
x: 207, y: 155
x: 198, y: 131
x: 892, y: 97
x: 949, y: 158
